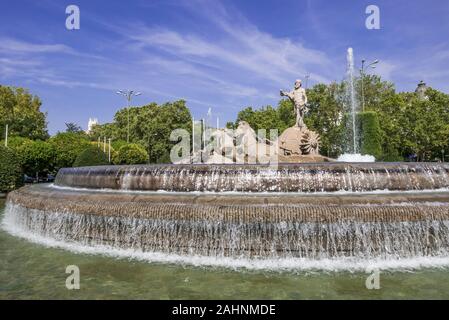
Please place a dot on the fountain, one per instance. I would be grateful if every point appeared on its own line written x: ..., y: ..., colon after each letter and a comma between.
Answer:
x: 293, y: 213
x: 354, y: 153
x: 296, y: 211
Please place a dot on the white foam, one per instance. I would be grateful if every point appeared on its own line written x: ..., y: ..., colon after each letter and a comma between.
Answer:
x: 350, y: 264
x: 356, y: 157
x: 262, y: 193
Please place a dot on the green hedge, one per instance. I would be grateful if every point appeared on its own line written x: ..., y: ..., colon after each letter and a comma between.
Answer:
x: 11, y: 176
x: 370, y: 134
x: 91, y: 156
x: 131, y: 154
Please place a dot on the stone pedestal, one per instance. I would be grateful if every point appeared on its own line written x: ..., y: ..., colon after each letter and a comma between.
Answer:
x: 300, y: 145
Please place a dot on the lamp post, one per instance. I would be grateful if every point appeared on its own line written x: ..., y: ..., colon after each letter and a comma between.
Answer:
x: 128, y: 94
x: 307, y: 80
x: 6, y: 136
x: 193, y: 138
x: 109, y: 151
x: 362, y: 74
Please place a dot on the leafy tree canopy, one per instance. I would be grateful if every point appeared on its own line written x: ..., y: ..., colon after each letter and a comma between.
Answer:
x: 73, y: 128
x: 68, y: 146
x: 10, y: 170
x: 20, y: 110
x: 150, y: 127
x: 91, y: 156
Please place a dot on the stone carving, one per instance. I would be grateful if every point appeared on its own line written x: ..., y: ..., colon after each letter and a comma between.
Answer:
x: 299, y: 98
x: 298, y: 141
x: 252, y: 148
x: 243, y: 145
x: 310, y: 142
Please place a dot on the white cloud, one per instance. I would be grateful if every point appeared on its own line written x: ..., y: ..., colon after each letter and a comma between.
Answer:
x: 249, y: 50
x: 15, y: 46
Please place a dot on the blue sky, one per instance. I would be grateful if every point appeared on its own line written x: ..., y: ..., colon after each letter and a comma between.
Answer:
x: 221, y: 54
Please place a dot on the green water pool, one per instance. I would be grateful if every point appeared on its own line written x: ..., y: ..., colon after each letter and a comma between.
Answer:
x: 31, y: 271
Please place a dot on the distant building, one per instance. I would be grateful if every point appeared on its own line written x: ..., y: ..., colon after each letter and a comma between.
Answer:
x: 421, y: 90
x: 92, y: 122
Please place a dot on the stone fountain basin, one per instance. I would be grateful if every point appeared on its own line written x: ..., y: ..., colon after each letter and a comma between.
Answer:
x: 244, y: 225
x: 304, y: 177
x: 238, y: 207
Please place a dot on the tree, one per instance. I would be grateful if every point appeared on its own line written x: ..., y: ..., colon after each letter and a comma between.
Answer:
x: 117, y: 144
x: 406, y: 123
x: 73, y: 128
x: 266, y: 118
x: 91, y: 156
x: 14, y: 142
x: 68, y: 146
x: 286, y: 112
x: 150, y: 127
x: 21, y: 112
x: 10, y: 170
x: 37, y: 157
x: 380, y: 96
x: 108, y: 130
x: 425, y: 124
x: 155, y: 133
x: 131, y: 154
x: 326, y: 115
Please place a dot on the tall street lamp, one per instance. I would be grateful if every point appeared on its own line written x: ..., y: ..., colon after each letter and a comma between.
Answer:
x: 128, y: 94
x: 307, y: 77
x: 362, y: 73
x: 6, y: 135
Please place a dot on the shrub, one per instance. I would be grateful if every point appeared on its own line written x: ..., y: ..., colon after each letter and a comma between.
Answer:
x: 68, y: 146
x: 34, y: 156
x: 37, y: 157
x: 15, y: 142
x: 117, y: 144
x: 131, y: 154
x: 10, y: 170
x: 91, y: 156
x: 370, y: 134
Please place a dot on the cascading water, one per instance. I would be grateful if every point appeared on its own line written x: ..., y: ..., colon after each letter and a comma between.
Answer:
x: 293, y: 214
x: 303, y: 178
x: 287, y: 238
